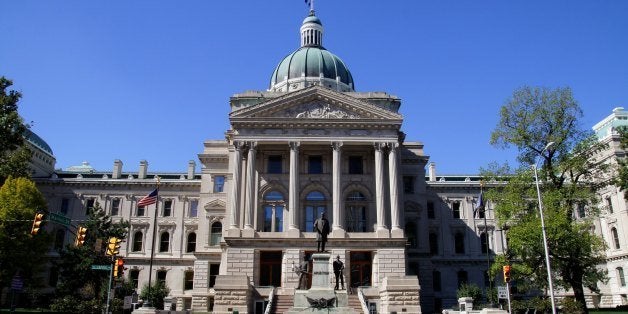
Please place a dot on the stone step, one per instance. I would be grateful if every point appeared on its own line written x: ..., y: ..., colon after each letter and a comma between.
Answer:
x: 282, y: 304
x: 354, y: 303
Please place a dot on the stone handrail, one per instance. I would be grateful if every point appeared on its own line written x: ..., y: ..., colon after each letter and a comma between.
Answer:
x: 271, y: 299
x: 362, y: 299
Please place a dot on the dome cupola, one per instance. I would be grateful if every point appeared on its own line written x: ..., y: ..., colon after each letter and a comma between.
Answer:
x: 311, y: 64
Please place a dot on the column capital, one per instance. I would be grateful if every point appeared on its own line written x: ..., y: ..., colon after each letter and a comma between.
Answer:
x: 294, y: 145
x: 379, y: 146
x: 393, y: 145
x: 336, y: 145
x: 252, y: 145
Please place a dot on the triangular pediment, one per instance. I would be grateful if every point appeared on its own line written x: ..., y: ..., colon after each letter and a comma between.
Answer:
x: 215, y: 205
x: 314, y: 103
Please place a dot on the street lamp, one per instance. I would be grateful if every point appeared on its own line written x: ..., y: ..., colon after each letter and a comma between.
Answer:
x: 547, y: 260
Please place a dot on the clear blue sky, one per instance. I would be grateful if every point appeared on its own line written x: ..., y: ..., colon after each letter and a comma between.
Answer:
x: 133, y: 80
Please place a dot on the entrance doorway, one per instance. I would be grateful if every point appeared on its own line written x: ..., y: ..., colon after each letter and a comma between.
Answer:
x: 361, y: 269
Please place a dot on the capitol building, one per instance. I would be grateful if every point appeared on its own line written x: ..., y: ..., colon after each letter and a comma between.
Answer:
x: 228, y: 238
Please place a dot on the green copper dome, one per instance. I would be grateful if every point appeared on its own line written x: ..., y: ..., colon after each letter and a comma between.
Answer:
x: 311, y: 64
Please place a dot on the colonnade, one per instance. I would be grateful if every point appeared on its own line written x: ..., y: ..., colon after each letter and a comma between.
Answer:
x: 247, y: 180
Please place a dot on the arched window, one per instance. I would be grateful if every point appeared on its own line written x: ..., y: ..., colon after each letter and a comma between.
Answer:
x: 164, y: 242
x: 615, y: 237
x: 356, y: 212
x: 137, y: 241
x: 273, y: 212
x: 216, y: 233
x: 314, y: 206
x: 191, y: 247
x: 621, y: 280
x: 459, y: 242
x: 411, y: 234
x: 484, y: 242
x: 433, y: 243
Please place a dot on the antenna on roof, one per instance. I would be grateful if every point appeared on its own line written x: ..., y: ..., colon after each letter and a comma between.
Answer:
x: 310, y: 3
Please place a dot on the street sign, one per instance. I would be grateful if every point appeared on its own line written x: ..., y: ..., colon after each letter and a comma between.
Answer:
x: 101, y: 267
x: 60, y: 219
x: 128, y: 302
x: 502, y: 292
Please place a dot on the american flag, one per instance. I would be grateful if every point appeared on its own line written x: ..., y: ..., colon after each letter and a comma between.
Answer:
x: 148, y: 199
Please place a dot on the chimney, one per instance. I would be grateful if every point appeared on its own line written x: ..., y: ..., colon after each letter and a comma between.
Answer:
x: 432, y: 172
x: 117, y: 169
x: 191, y: 168
x: 143, y: 169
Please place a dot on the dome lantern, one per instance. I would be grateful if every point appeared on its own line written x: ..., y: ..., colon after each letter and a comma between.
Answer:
x: 312, y: 31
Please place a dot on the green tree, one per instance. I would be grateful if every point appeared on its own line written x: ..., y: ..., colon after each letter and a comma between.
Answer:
x: 78, y: 283
x: 569, y: 178
x: 19, y: 251
x: 14, y: 154
x: 155, y: 294
x: 470, y: 291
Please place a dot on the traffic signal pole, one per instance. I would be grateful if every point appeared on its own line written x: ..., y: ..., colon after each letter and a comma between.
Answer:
x: 508, y: 296
x: 110, y: 282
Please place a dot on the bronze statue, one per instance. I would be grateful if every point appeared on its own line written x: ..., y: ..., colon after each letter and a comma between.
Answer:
x: 321, y: 226
x: 303, y: 272
x: 338, y: 268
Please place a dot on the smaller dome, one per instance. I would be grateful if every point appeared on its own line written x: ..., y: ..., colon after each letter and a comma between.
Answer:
x: 312, y: 19
x: 37, y: 141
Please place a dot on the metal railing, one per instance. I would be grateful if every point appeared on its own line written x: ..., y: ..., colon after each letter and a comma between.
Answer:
x: 271, y: 300
x: 362, y: 299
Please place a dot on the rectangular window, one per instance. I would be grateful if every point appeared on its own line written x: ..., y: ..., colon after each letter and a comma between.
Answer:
x: 194, y: 208
x: 219, y: 184
x: 436, y: 280
x: 115, y: 207
x: 609, y: 205
x: 355, y: 165
x: 134, y: 276
x: 188, y: 283
x: 433, y: 243
x: 582, y: 212
x: 161, y: 276
x: 89, y: 205
x: 65, y: 206
x: 315, y: 164
x: 140, y: 211
x: 430, y: 210
x: 213, y: 273
x: 274, y: 164
x: 456, y: 209
x: 408, y: 185
x: 167, y: 208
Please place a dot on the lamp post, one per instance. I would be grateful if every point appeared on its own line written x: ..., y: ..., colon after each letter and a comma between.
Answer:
x: 547, y: 260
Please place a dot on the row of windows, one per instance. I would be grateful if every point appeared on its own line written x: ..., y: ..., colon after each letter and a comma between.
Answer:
x: 459, y: 243
x: 315, y: 204
x: 188, y: 277
x: 164, y: 240
x: 455, y: 211
x: 115, y: 207
x: 274, y: 164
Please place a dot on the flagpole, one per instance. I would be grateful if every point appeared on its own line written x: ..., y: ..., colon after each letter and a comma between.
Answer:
x: 488, y: 258
x: 148, y: 302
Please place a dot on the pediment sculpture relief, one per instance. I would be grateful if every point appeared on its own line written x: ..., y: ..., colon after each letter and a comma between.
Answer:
x: 318, y: 111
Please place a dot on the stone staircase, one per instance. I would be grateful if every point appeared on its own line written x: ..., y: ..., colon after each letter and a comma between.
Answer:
x: 282, y: 304
x: 354, y: 303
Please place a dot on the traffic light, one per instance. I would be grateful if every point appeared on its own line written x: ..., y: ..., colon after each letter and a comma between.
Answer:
x: 506, y: 269
x: 118, y: 268
x: 80, y: 235
x: 113, y: 246
x: 39, y: 217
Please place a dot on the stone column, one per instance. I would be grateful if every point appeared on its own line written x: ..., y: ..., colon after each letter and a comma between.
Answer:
x: 382, y: 231
x: 293, y: 193
x: 235, y: 186
x: 395, y: 226
x: 338, y: 217
x: 250, y: 186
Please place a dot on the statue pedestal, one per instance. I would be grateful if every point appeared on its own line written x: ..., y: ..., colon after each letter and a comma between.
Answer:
x: 321, y: 297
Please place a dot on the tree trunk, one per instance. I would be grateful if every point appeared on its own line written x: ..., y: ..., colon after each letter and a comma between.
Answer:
x: 578, y: 291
